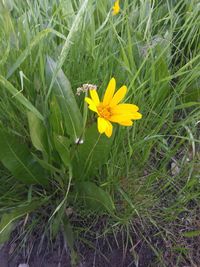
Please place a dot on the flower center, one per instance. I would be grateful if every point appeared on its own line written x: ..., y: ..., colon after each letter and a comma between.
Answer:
x: 104, y: 111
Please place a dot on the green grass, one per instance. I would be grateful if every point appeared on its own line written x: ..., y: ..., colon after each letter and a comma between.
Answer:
x: 153, y: 48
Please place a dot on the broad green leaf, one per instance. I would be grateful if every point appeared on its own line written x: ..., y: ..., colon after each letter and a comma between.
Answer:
x: 37, y: 132
x: 8, y: 218
x: 47, y: 166
x: 91, y: 154
x: 19, y: 97
x: 192, y: 233
x: 66, y: 100
x: 56, y: 119
x: 62, y: 146
x: 94, y: 197
x: 16, y: 157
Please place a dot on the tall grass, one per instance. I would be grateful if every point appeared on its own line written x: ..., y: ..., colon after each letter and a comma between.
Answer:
x: 152, y: 172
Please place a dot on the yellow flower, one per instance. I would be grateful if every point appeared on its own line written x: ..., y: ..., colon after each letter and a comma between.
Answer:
x: 116, y: 8
x: 109, y: 110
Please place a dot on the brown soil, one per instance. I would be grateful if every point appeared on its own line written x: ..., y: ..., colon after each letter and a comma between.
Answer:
x: 105, y: 253
x: 94, y: 249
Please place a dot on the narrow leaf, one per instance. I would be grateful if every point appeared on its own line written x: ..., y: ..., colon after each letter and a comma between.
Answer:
x: 70, y: 240
x: 19, y: 97
x: 16, y: 213
x: 192, y: 233
x: 36, y: 40
x: 68, y: 43
x: 5, y: 235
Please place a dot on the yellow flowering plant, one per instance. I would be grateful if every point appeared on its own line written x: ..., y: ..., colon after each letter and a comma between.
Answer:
x: 63, y: 148
x: 111, y: 110
x: 116, y: 8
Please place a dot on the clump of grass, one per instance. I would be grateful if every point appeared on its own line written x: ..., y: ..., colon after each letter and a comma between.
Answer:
x: 147, y: 173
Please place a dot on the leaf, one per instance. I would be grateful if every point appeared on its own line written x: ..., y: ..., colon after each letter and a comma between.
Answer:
x: 159, y: 70
x: 192, y: 233
x: 56, y: 120
x: 192, y: 92
x: 37, y: 132
x: 19, y: 97
x: 55, y: 226
x: 47, y: 166
x: 62, y: 146
x: 56, y: 221
x: 92, y: 154
x: 8, y: 218
x: 160, y: 89
x: 36, y: 40
x: 69, y: 239
x: 68, y: 12
x: 5, y: 235
x: 16, y: 157
x: 68, y: 42
x: 66, y: 100
x: 94, y: 197
x: 187, y: 105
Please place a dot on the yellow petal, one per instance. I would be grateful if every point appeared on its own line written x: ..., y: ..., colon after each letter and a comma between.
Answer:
x: 119, y: 95
x: 109, y: 92
x: 102, y: 125
x: 91, y: 103
x: 126, y: 123
x: 109, y: 129
x: 124, y: 108
x: 116, y: 8
x: 95, y: 97
x: 89, y: 100
x: 137, y: 116
x: 125, y: 117
x: 121, y: 118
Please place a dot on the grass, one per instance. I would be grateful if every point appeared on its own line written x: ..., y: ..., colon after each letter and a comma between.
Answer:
x: 153, y: 48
